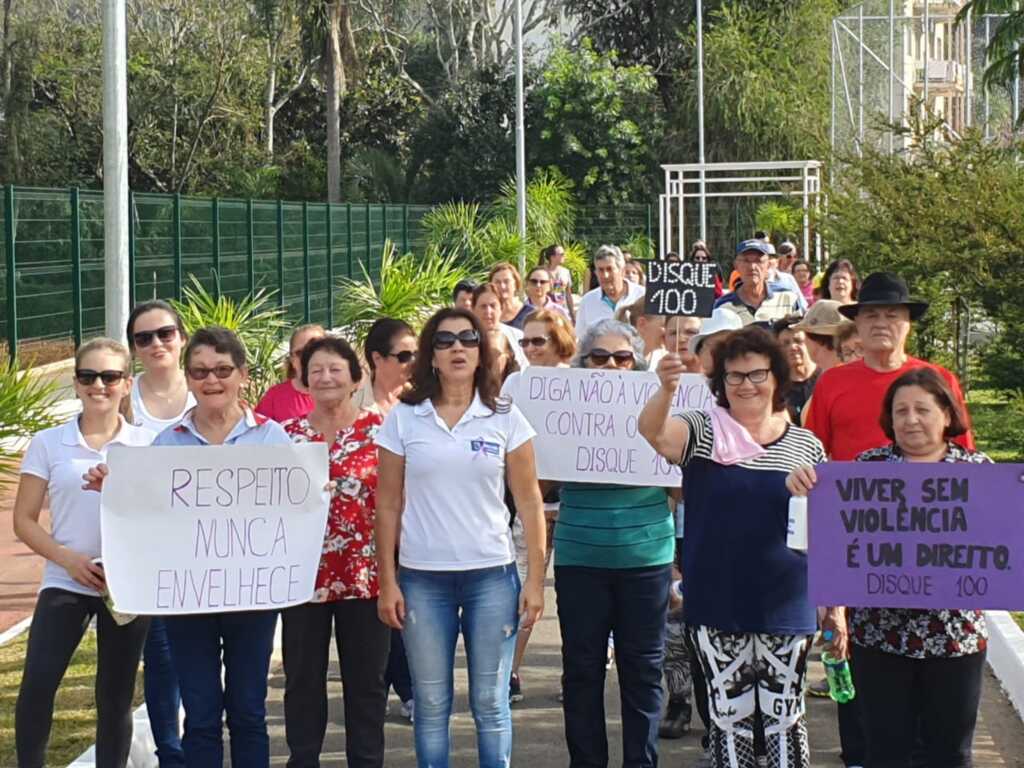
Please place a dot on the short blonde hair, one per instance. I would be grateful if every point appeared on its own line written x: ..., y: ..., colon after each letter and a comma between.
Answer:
x: 562, y: 336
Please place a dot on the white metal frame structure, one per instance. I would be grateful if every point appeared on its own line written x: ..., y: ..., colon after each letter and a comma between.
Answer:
x: 888, y: 55
x: 790, y: 179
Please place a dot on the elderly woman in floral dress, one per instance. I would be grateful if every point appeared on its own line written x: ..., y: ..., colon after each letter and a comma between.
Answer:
x: 346, y: 584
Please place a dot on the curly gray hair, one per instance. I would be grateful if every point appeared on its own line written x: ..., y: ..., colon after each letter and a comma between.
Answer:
x: 610, y: 253
x: 610, y: 328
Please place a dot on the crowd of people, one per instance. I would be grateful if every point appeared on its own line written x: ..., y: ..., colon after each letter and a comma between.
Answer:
x: 438, y: 525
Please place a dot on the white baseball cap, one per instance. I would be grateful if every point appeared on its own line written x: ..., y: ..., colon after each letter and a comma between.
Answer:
x: 722, y: 320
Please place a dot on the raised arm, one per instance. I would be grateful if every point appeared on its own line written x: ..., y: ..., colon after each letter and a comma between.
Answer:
x: 522, y: 476
x: 390, y: 496
x: 666, y: 435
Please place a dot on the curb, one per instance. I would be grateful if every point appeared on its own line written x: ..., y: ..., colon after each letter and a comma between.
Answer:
x: 1006, y: 655
x: 12, y: 632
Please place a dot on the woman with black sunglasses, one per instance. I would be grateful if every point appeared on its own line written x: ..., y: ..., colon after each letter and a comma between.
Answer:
x: 614, y: 546
x: 160, y: 398
x: 72, y: 591
x: 390, y: 352
x: 444, y: 454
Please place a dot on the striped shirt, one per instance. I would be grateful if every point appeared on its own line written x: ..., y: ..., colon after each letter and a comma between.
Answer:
x: 613, y: 526
x: 738, y: 573
x: 777, y: 304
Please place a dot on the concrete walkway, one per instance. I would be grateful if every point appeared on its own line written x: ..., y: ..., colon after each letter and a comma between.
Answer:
x: 538, y: 725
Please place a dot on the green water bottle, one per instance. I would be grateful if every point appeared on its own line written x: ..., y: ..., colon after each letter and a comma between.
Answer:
x: 840, y: 680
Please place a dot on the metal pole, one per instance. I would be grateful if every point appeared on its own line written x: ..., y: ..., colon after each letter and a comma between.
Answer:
x: 968, y: 37
x: 860, y: 85
x: 369, y: 245
x: 12, y: 278
x: 305, y: 262
x: 250, y: 250
x: 216, y: 246
x: 892, y: 75
x: 280, y: 253
x: 76, y: 267
x: 348, y: 236
x: 330, y: 266
x: 700, y: 127
x: 832, y: 100
x: 405, y: 228
x: 520, y: 139
x: 988, y: 39
x: 115, y: 167
x: 131, y: 248
x: 927, y: 56
x: 179, y: 275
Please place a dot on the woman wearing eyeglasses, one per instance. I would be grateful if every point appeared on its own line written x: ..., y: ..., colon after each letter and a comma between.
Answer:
x: 614, y: 546
x: 346, y: 582
x: 390, y: 352
x: 445, y: 452
x: 160, y: 398
x: 71, y: 592
x: 222, y: 659
x: 290, y: 399
x: 745, y: 591
x: 538, y: 296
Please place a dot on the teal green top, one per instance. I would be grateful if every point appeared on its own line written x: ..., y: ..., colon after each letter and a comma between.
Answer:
x: 614, y: 526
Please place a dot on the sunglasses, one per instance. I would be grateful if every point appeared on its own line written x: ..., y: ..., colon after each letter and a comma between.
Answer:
x: 535, y: 281
x: 145, y: 338
x: 535, y: 341
x: 447, y: 339
x: 198, y: 373
x: 403, y: 357
x: 620, y: 358
x: 87, y: 377
x: 757, y: 376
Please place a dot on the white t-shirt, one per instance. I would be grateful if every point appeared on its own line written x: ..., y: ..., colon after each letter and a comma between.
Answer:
x: 61, y: 456
x: 455, y: 517
x: 595, y: 306
x: 144, y: 418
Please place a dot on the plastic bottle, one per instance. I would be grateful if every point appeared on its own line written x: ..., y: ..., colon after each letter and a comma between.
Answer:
x: 796, y: 525
x: 840, y: 680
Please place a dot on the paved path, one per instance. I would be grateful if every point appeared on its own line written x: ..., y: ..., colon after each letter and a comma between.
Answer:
x: 539, y: 740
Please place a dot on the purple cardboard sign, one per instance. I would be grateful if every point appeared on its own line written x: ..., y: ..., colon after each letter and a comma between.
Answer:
x: 902, y: 535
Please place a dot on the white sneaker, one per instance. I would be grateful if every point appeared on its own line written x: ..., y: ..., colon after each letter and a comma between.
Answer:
x: 408, y: 710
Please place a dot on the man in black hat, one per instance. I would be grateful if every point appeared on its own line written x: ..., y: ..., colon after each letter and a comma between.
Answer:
x: 847, y: 399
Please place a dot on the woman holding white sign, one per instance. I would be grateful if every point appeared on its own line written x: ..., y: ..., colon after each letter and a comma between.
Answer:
x: 73, y: 585
x: 346, y: 582
x: 445, y: 452
x: 918, y: 672
x: 745, y: 591
x: 614, y: 547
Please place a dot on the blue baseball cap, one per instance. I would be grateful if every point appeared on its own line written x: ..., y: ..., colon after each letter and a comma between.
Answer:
x: 755, y: 245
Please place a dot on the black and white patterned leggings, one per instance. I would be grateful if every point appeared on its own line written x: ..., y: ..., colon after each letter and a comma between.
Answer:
x: 749, y: 675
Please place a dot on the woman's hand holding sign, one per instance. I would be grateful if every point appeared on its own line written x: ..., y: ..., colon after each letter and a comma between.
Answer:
x: 801, y: 480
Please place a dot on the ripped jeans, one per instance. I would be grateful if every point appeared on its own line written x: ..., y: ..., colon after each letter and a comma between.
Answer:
x: 483, y: 604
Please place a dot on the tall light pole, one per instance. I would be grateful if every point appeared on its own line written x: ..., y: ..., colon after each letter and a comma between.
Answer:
x: 700, y: 123
x: 520, y: 138
x: 115, y: 167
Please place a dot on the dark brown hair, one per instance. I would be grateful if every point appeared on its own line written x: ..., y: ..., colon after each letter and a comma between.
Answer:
x: 289, y: 369
x: 825, y: 340
x: 835, y: 266
x: 333, y: 346
x: 483, y: 288
x: 932, y: 383
x: 223, y: 342
x: 152, y: 306
x: 750, y: 341
x: 426, y: 386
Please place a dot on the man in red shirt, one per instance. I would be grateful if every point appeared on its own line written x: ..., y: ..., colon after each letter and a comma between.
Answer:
x: 847, y: 400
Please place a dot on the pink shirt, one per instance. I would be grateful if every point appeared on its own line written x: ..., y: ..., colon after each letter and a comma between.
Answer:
x: 283, y: 401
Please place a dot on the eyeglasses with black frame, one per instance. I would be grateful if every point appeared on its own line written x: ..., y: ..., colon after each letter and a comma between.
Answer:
x: 534, y: 341
x: 404, y: 357
x: 199, y: 373
x: 446, y: 339
x: 145, y: 338
x: 756, y: 376
x: 620, y: 357
x: 87, y: 377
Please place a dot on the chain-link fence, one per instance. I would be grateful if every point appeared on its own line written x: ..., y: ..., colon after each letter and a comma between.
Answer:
x: 52, y: 251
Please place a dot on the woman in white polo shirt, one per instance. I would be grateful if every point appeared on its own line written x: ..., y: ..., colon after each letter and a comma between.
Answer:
x: 445, y: 453
x: 70, y: 595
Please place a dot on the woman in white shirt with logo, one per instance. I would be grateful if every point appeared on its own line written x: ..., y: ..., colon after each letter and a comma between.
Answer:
x: 73, y: 585
x: 445, y: 453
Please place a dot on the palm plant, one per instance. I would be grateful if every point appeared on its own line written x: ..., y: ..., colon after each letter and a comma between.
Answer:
x: 410, y: 288
x: 260, y: 326
x: 26, y: 407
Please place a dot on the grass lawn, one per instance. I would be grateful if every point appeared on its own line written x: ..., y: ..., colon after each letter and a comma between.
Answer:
x: 998, y: 425
x: 74, y: 721
x: 1018, y: 616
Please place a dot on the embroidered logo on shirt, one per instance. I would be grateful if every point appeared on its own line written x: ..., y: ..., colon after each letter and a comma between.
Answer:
x: 485, y: 447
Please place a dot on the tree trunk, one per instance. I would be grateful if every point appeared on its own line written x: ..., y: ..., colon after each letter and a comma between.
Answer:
x: 336, y: 86
x: 269, y: 110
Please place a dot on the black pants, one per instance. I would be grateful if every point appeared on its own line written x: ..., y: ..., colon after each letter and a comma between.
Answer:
x: 58, y: 624
x: 902, y: 698
x: 363, y: 643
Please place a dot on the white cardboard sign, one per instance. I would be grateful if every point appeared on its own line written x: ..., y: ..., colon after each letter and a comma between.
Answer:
x: 586, y: 423
x: 213, y: 529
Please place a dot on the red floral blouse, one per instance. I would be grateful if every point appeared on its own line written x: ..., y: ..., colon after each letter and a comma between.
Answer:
x: 348, y: 562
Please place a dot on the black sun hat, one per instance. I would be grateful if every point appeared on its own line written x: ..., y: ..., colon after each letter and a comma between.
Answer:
x: 888, y: 289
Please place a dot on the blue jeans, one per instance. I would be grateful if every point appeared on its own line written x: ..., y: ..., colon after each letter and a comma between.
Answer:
x: 632, y: 603
x: 163, y: 699
x: 244, y: 641
x: 484, y: 604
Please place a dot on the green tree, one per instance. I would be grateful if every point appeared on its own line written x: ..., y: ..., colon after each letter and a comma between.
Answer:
x: 1005, y: 52
x: 598, y: 125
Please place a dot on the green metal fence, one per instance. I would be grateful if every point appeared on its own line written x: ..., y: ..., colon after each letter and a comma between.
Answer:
x: 53, y: 266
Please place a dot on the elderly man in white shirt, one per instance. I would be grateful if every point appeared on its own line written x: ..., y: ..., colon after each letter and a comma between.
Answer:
x: 613, y: 291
